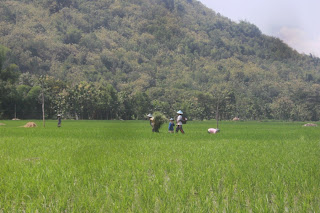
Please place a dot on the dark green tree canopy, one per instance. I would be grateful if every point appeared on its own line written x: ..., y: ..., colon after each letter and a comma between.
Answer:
x: 169, y: 53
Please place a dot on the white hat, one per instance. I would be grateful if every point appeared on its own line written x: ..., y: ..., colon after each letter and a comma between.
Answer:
x: 149, y: 115
x: 171, y: 119
x: 180, y: 112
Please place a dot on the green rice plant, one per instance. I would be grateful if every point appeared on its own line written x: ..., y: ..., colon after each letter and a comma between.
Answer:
x: 120, y: 166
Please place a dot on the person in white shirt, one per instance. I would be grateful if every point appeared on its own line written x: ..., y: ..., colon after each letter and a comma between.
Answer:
x: 213, y: 131
x: 151, y: 119
x: 179, y: 122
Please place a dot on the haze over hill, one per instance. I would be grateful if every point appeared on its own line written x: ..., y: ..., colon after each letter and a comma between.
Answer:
x: 290, y: 20
x: 146, y: 55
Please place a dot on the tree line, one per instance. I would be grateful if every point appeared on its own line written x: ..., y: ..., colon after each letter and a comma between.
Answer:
x: 21, y: 98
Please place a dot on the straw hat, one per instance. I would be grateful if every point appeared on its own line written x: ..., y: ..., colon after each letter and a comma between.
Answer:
x: 180, y: 112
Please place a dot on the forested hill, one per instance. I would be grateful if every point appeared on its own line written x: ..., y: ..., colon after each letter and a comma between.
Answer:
x: 124, y: 58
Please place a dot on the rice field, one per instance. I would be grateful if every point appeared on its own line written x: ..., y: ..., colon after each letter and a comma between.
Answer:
x: 121, y: 166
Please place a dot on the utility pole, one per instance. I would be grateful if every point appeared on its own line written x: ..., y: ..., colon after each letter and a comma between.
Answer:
x: 44, y: 122
x: 41, y: 79
x: 217, y: 115
x: 15, y: 111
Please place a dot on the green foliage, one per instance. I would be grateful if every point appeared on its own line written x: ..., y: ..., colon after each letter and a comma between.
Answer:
x: 10, y: 73
x: 141, y: 105
x: 159, y: 119
x: 72, y: 36
x: 157, y: 55
x: 120, y: 166
x: 3, y: 52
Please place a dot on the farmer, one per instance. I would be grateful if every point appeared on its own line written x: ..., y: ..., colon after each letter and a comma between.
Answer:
x: 151, y: 119
x: 59, y: 120
x: 213, y: 130
x: 171, y: 126
x: 179, y: 122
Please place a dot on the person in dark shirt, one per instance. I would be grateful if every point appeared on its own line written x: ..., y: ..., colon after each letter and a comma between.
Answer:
x: 171, y: 126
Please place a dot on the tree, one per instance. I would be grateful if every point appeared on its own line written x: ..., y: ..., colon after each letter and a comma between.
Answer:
x: 125, y: 106
x: 282, y: 108
x: 8, y: 78
x: 224, y: 101
x: 205, y: 105
x: 72, y: 36
x: 141, y: 105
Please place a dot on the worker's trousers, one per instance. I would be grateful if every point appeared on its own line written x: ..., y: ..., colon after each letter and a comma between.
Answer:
x: 179, y: 127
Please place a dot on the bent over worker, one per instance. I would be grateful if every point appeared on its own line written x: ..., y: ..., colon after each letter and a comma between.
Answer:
x: 151, y: 119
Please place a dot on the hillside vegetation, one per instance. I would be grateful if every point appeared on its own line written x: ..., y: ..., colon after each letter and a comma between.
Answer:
x: 109, y: 59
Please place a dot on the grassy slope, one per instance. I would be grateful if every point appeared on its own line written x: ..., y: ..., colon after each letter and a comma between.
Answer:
x: 122, y: 166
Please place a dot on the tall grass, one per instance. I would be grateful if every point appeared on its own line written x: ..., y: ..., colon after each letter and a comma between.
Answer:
x: 121, y: 166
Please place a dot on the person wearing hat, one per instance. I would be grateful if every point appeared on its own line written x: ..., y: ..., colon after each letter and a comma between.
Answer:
x: 59, y: 120
x: 179, y: 122
x: 151, y: 119
x: 171, y: 126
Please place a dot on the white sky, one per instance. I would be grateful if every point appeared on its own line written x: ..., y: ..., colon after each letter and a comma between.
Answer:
x: 296, y: 22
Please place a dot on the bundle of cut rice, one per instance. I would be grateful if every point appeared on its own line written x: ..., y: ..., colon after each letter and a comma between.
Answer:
x: 310, y: 124
x: 159, y: 119
x: 30, y: 124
